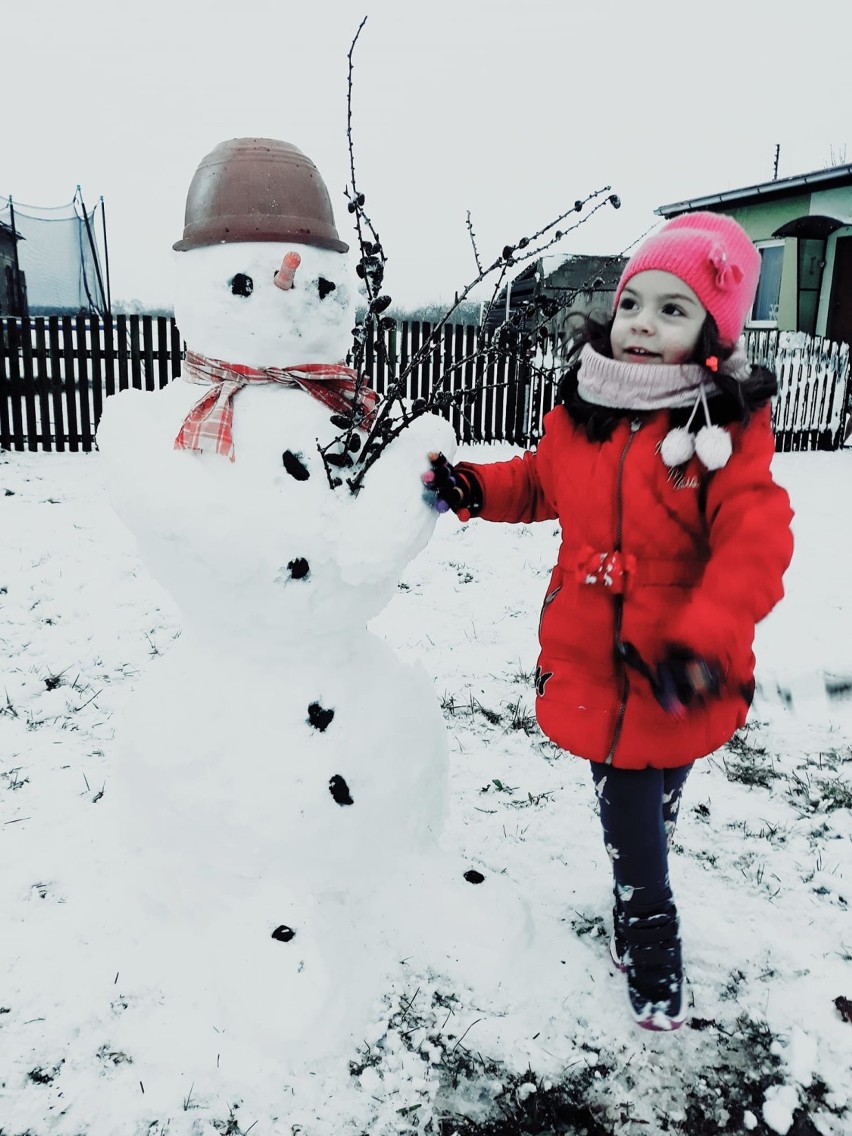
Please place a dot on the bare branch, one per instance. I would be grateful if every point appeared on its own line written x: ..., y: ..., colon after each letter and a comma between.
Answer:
x: 473, y: 242
x: 393, y: 415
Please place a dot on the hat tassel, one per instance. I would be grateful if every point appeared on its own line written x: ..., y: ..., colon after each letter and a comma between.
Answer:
x: 711, y: 443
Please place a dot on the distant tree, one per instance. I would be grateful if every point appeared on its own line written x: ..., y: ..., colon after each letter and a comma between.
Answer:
x: 467, y: 312
x: 136, y: 307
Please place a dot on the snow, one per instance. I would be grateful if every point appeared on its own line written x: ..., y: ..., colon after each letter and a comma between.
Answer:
x: 93, y: 1041
x: 779, y: 1106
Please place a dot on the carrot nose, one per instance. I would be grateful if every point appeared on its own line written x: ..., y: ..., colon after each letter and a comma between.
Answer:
x: 283, y: 278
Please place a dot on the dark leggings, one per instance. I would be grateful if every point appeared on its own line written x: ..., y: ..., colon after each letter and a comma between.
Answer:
x: 638, y: 810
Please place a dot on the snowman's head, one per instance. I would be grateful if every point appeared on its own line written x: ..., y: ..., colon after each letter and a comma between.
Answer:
x: 266, y: 304
x: 263, y: 277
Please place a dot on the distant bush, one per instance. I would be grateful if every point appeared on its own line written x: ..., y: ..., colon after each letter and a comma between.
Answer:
x: 136, y: 307
x: 468, y: 312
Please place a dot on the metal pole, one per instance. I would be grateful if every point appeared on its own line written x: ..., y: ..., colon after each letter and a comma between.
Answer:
x: 106, y: 257
x: 18, y: 298
x: 92, y: 246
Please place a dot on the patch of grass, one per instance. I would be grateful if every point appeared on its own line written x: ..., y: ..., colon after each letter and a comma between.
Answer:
x: 531, y: 1106
x: 491, y: 716
x: 836, y: 794
x: 531, y: 800
x: 744, y: 1067
x: 747, y: 762
x: 521, y: 718
x: 811, y: 793
x: 592, y: 925
x: 13, y: 781
x: 464, y: 575
x: 113, y: 1056
x: 42, y: 1076
x: 749, y: 772
x: 731, y: 988
x: 523, y: 676
x: 448, y: 704
x: 496, y: 783
x: 451, y: 707
x: 228, y: 1127
x: 53, y: 679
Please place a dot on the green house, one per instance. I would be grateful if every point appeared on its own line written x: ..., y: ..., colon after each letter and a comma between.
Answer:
x: 802, y: 227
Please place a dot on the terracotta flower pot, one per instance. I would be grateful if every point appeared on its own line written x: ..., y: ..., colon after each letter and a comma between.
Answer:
x: 258, y: 189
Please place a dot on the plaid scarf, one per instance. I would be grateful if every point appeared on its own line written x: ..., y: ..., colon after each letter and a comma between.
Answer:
x: 209, y: 424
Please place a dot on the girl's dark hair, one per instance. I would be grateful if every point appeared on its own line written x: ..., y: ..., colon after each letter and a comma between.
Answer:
x: 734, y: 401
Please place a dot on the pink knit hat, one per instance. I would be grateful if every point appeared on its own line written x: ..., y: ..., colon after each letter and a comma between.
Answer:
x: 714, y: 256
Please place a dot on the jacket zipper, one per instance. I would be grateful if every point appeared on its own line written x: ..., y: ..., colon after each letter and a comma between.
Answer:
x: 619, y: 599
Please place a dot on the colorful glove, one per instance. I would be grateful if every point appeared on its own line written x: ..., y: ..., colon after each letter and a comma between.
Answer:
x: 683, y: 680
x: 452, y: 488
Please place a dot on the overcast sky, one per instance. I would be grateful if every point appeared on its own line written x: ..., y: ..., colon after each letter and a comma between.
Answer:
x: 508, y: 109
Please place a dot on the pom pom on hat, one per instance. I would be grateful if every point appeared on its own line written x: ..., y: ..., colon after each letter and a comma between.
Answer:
x: 714, y: 256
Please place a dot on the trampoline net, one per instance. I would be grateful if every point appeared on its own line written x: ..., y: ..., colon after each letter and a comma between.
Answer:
x: 58, y: 257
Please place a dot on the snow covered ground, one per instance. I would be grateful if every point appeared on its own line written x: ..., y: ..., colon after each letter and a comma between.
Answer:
x: 761, y: 869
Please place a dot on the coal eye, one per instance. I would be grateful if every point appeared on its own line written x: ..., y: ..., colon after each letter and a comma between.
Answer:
x: 241, y: 285
x: 325, y: 286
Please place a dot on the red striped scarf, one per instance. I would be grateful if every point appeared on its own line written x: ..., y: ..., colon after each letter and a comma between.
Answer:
x: 209, y: 424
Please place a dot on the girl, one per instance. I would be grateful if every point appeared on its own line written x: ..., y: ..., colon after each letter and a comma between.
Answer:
x: 675, y: 539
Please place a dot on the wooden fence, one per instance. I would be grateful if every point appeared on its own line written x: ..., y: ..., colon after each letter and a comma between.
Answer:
x: 55, y: 373
x: 814, y: 399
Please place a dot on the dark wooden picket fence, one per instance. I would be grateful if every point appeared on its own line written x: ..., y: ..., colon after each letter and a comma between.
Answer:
x: 56, y: 371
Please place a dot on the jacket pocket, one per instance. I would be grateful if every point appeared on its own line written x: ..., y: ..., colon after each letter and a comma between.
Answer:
x: 553, y: 590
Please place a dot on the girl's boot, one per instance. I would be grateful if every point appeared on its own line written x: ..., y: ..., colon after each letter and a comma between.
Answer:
x: 652, y: 959
x: 617, y: 942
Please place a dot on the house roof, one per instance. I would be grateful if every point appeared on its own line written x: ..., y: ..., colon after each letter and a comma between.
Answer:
x: 578, y: 272
x: 830, y: 178
x: 10, y: 231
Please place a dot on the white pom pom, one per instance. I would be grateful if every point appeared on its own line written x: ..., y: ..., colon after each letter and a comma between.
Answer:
x: 678, y: 447
x: 713, y: 446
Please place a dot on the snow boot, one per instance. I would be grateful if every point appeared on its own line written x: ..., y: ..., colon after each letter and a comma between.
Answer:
x: 617, y: 942
x: 652, y: 960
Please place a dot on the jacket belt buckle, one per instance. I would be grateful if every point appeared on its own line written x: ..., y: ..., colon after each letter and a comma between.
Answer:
x: 611, y: 570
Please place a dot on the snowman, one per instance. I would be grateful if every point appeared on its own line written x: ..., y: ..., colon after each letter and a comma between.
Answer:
x: 280, y: 776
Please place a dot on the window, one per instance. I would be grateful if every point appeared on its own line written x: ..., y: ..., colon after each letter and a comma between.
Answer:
x: 765, y: 310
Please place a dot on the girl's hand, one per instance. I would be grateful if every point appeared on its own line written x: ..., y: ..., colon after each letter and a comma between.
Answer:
x: 684, y: 680
x: 453, y: 489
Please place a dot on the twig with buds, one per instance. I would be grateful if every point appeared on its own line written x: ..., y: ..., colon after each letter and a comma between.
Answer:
x: 393, y: 414
x: 473, y: 242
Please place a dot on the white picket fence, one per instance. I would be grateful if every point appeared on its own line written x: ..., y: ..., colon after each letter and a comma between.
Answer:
x: 814, y: 401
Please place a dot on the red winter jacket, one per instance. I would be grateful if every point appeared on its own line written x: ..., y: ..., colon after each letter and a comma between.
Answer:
x: 701, y: 560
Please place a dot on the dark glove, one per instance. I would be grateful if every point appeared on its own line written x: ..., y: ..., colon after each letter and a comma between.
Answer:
x: 683, y: 680
x: 453, y: 488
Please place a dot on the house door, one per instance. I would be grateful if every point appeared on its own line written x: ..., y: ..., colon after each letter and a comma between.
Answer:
x: 839, y: 324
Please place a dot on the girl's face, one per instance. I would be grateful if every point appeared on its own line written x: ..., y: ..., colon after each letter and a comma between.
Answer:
x: 658, y: 320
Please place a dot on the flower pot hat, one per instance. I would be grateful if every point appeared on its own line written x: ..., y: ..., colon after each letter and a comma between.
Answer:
x: 258, y: 189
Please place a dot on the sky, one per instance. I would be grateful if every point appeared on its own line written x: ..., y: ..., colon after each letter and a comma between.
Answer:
x: 509, y: 110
